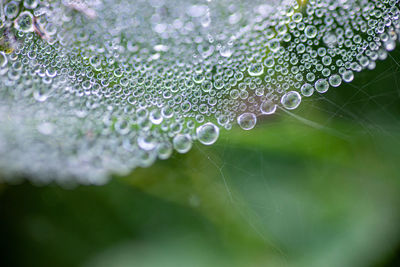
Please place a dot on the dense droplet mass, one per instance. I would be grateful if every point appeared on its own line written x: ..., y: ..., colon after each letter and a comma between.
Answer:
x: 90, y: 88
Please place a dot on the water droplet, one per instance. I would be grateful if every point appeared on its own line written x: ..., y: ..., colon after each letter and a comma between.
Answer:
x: 207, y: 133
x: 30, y: 4
x: 291, y: 100
x: 268, y: 107
x: 321, y: 86
x: 182, y: 143
x: 335, y: 80
x: 348, y: 76
x: 164, y: 150
x: 307, y: 90
x: 24, y: 22
x: 45, y: 128
x: 156, y: 117
x: 256, y: 69
x: 311, y: 31
x: 11, y: 9
x: 3, y: 59
x: 226, y: 51
x: 146, y: 142
x: 247, y: 121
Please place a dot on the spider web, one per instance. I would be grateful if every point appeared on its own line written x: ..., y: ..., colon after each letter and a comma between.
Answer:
x: 261, y: 182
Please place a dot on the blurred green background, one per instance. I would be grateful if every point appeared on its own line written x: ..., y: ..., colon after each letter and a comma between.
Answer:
x: 318, y: 187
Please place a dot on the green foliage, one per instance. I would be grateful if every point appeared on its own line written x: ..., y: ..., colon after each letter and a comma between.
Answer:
x: 284, y: 194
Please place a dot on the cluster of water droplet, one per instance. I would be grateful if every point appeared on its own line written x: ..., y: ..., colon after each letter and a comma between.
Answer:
x: 90, y: 88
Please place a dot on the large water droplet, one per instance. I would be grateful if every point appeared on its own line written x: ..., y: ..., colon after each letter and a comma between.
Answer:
x: 335, y: 80
x: 207, y: 133
x: 348, y: 76
x: 247, y: 121
x: 268, y: 107
x: 24, y: 22
x: 164, y: 150
x: 307, y: 90
x: 321, y: 86
x: 291, y: 100
x: 182, y: 143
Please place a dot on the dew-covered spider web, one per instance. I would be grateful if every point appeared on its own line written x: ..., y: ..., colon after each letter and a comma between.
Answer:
x: 93, y: 88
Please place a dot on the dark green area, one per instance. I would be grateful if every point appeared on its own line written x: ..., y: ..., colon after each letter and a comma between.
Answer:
x: 320, y: 187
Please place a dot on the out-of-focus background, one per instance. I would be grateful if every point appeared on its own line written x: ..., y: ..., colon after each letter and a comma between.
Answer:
x: 317, y: 187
